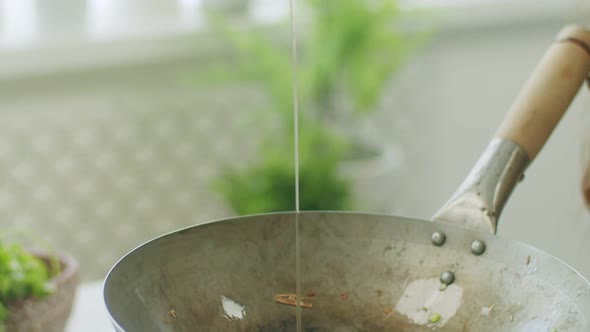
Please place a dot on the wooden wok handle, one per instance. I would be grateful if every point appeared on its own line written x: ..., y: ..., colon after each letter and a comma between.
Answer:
x: 478, y: 202
x: 549, y: 91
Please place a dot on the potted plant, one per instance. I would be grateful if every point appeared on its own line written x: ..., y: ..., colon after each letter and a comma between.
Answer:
x: 349, y: 51
x: 37, y: 288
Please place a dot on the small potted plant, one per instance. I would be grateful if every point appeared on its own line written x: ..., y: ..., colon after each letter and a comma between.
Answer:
x: 37, y: 288
x: 349, y: 50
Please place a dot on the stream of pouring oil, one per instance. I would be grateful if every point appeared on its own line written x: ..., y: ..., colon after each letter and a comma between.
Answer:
x: 296, y: 151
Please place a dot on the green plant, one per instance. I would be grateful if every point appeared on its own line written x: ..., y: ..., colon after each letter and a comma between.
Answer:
x: 269, y: 185
x: 22, y: 276
x: 349, y: 52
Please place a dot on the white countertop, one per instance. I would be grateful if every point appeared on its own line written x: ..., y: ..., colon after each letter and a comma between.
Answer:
x: 89, y: 313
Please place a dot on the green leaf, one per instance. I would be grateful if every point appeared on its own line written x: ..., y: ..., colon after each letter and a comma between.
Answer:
x: 3, y: 312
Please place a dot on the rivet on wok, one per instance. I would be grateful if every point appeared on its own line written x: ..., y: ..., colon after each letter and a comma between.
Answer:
x: 478, y: 247
x: 447, y: 277
x: 438, y: 238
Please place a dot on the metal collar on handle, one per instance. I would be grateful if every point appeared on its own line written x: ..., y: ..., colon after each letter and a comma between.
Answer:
x: 478, y: 202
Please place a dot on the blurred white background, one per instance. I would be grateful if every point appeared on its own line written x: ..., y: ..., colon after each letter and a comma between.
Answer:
x: 103, y: 144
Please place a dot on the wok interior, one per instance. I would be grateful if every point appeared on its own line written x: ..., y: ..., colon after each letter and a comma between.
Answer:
x: 361, y: 272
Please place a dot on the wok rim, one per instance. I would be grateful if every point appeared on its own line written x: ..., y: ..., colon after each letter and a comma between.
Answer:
x: 399, y: 218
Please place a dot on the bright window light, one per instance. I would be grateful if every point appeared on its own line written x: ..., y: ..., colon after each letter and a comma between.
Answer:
x: 18, y: 21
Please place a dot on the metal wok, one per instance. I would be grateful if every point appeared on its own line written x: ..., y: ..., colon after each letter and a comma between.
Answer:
x: 366, y: 272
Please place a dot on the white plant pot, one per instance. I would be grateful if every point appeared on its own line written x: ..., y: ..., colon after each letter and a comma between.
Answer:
x: 373, y: 179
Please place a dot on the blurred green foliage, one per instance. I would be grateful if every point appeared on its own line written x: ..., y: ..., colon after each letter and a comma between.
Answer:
x: 347, y: 49
x: 269, y: 185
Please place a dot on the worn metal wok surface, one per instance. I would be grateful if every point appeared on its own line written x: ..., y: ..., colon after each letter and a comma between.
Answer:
x: 366, y: 272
